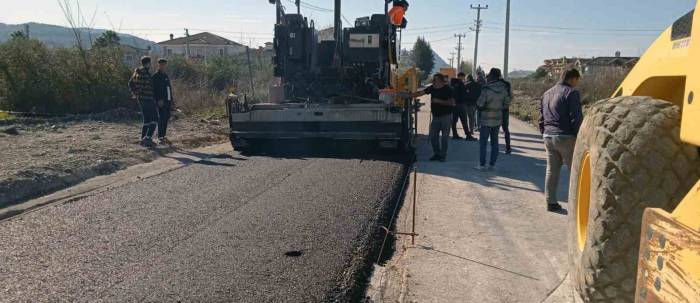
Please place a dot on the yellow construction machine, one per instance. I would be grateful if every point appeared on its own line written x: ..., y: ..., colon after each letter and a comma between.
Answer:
x: 634, y: 215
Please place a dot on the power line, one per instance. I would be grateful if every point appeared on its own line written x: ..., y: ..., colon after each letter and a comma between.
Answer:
x: 572, y: 33
x: 584, y: 28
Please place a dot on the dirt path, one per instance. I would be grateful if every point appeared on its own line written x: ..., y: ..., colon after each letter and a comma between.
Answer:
x: 41, y: 155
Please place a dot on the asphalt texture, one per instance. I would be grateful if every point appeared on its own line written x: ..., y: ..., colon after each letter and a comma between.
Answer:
x: 277, y: 228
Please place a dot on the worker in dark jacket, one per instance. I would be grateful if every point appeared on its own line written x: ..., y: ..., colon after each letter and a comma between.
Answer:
x: 141, y: 86
x: 164, y: 99
x: 560, y: 119
x: 460, y: 110
x: 473, y: 93
x: 506, y: 119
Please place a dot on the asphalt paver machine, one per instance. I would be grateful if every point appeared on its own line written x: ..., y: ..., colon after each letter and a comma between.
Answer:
x: 332, y: 87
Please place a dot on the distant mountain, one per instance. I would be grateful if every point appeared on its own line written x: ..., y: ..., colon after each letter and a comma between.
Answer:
x: 439, y: 63
x: 60, y: 36
x: 520, y: 73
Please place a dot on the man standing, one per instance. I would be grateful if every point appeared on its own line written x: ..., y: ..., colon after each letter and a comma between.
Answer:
x: 141, y: 86
x: 506, y: 118
x: 494, y: 98
x: 473, y: 93
x: 460, y: 110
x: 560, y: 119
x: 164, y: 98
x: 442, y: 103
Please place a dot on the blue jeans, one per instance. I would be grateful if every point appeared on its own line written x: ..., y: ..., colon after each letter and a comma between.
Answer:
x: 484, y: 134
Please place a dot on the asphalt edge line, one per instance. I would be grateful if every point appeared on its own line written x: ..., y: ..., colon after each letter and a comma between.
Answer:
x: 102, y: 183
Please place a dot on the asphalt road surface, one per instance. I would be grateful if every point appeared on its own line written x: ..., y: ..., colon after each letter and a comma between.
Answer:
x: 277, y: 228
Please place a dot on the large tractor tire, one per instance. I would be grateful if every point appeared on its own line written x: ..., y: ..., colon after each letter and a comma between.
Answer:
x: 628, y: 157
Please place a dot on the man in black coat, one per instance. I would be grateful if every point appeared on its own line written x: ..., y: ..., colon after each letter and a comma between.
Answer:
x: 163, y: 94
x: 473, y: 93
x: 460, y: 109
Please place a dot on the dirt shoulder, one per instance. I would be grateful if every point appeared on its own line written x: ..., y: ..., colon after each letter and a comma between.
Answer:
x: 42, y: 155
x: 525, y: 108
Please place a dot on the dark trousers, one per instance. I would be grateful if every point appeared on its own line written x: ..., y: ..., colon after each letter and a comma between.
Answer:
x: 460, y: 114
x: 149, y: 111
x: 440, y: 134
x: 506, y: 129
x: 484, y: 134
x: 163, y: 118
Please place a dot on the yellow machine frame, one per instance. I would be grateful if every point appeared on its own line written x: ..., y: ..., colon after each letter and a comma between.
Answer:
x: 669, y: 256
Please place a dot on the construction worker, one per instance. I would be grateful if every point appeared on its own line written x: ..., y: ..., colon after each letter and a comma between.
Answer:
x: 141, y: 86
x: 442, y: 104
x: 560, y: 119
x: 473, y: 93
x: 460, y: 110
x: 506, y: 119
x: 494, y: 98
x: 164, y: 99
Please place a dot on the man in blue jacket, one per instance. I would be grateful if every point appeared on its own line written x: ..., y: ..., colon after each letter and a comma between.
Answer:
x: 560, y: 119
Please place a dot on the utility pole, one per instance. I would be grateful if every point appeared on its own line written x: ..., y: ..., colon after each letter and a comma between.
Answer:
x: 26, y: 30
x: 452, y: 59
x: 477, y: 29
x: 187, y: 44
x: 338, y: 24
x: 505, y: 55
x: 459, y: 51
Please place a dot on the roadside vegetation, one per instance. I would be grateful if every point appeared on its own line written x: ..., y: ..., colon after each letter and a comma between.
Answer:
x: 37, y: 78
x: 529, y: 90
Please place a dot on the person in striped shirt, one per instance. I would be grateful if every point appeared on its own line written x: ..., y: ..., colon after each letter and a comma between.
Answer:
x: 141, y: 86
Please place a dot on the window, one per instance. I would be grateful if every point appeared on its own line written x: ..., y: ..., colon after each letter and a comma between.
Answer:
x: 221, y: 52
x: 170, y: 52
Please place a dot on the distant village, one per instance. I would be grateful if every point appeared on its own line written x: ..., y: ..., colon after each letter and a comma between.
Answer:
x: 197, y: 47
x: 590, y: 66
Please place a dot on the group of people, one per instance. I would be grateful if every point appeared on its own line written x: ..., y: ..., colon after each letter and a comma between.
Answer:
x: 155, y: 97
x: 480, y: 104
x: 483, y: 106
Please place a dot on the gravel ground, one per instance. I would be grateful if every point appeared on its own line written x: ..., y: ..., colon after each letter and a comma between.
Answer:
x: 50, y: 154
x: 280, y: 228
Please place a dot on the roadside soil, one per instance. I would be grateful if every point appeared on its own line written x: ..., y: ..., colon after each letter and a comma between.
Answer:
x: 525, y: 107
x: 42, y: 155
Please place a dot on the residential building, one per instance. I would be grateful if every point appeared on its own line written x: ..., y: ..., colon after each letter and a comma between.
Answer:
x: 131, y: 56
x: 200, y: 46
x: 595, y: 65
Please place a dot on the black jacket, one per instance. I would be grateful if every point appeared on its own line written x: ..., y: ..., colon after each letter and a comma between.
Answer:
x: 459, y: 90
x: 161, y: 87
x: 560, y: 111
x: 473, y: 92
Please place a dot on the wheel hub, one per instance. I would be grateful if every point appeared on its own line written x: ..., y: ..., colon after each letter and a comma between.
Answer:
x: 583, y: 200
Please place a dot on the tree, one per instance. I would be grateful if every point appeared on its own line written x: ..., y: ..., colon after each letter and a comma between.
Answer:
x: 467, y: 67
x: 18, y: 35
x: 422, y: 55
x: 107, y: 39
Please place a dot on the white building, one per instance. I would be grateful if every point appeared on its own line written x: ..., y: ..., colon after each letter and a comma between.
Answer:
x: 200, y: 46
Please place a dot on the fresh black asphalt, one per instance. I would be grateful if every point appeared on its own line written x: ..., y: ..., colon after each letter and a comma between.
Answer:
x: 280, y: 228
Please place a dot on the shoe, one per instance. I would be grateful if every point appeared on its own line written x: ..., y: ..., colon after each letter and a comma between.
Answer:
x: 554, y: 207
x: 435, y: 158
x: 508, y: 151
x: 456, y: 138
x: 147, y: 142
x: 164, y: 141
x: 470, y: 138
x: 480, y: 168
